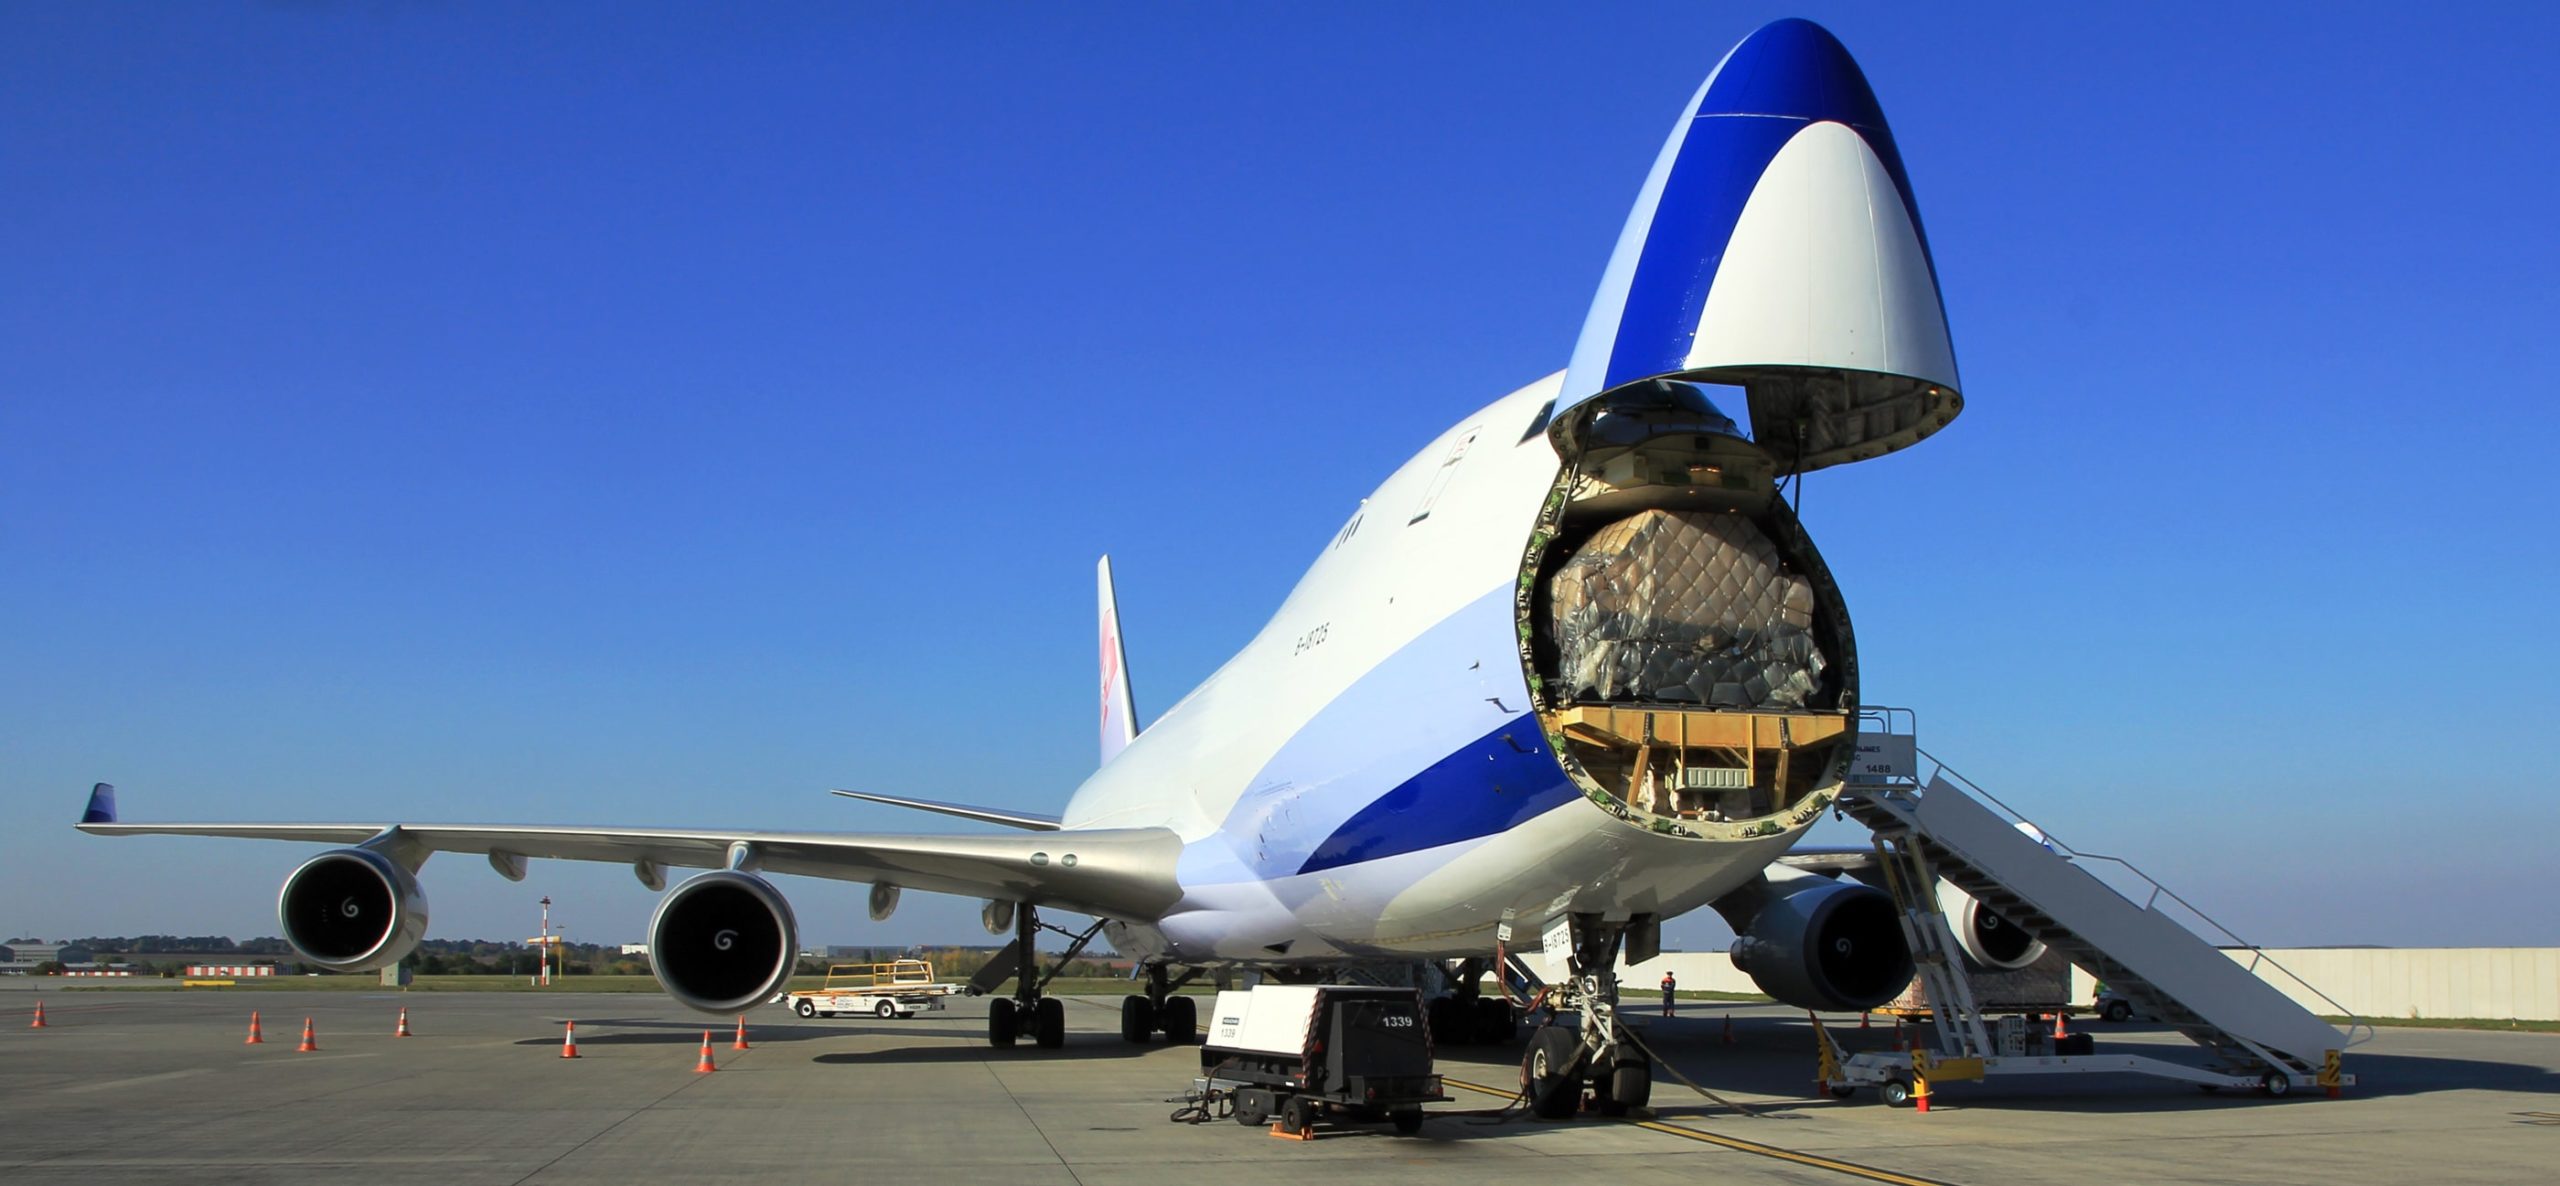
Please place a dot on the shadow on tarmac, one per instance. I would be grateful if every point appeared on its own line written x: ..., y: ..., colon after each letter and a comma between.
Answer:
x: 1079, y: 1047
x: 1775, y: 1057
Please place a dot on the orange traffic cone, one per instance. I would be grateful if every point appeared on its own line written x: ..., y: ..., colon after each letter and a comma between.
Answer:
x: 403, y: 1030
x: 255, y: 1035
x: 308, y: 1044
x: 741, y: 1043
x: 2061, y: 1026
x: 39, y: 1021
x: 706, y: 1066
x: 569, y: 1041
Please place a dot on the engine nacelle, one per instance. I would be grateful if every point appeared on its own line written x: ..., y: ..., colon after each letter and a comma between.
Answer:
x: 352, y: 910
x: 1986, y: 938
x: 723, y: 941
x: 1831, y: 945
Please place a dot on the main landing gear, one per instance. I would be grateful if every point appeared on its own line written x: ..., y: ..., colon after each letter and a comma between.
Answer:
x: 1465, y: 1016
x: 1161, y: 1010
x: 1029, y: 1013
x: 1600, y: 1057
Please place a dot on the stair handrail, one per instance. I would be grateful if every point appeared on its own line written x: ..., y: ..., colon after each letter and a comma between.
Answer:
x: 2359, y: 1031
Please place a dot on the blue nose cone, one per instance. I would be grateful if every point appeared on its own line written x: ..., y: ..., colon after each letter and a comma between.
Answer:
x: 1795, y: 70
x: 1776, y: 246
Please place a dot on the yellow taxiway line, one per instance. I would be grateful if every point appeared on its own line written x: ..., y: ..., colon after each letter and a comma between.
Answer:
x: 1737, y: 1144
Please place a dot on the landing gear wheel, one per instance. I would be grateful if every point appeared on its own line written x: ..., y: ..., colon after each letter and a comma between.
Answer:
x: 805, y: 1009
x: 1548, y: 1082
x: 1137, y: 1019
x: 2275, y: 1085
x: 1001, y: 1026
x: 1049, y: 1023
x: 1407, y: 1123
x: 1896, y: 1093
x: 885, y: 1011
x: 1448, y: 1022
x: 1180, y: 1020
x: 1494, y: 1023
x: 2119, y: 1011
x: 1631, y: 1084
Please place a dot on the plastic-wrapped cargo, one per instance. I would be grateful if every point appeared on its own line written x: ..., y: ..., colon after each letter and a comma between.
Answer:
x: 1684, y: 607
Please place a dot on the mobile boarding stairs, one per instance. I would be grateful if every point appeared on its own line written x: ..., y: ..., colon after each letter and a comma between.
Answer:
x: 2257, y: 1035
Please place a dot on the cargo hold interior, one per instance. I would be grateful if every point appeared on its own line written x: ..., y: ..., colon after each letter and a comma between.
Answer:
x: 1691, y: 656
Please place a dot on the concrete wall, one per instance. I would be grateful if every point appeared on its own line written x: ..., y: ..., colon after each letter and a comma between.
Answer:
x: 2519, y: 983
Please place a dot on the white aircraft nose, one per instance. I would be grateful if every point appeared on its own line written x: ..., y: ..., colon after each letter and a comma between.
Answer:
x: 1776, y: 247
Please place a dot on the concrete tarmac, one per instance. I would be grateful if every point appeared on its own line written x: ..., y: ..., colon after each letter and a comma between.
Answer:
x: 149, y: 1085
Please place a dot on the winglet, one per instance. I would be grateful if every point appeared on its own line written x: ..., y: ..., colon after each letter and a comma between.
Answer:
x: 1119, y: 713
x: 102, y: 805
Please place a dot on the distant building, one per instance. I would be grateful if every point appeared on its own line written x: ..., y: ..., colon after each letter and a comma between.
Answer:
x: 37, y: 953
x: 635, y: 949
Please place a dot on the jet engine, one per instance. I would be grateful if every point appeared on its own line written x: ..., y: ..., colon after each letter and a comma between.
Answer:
x: 352, y: 910
x: 1831, y: 945
x: 1986, y: 938
x: 723, y: 941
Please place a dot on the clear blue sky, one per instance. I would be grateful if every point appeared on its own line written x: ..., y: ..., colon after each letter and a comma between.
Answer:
x: 646, y: 415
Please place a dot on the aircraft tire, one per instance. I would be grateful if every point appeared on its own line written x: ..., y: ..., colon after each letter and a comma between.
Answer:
x: 1049, y: 1023
x: 1180, y: 1020
x: 1631, y: 1083
x: 1137, y: 1019
x: 1550, y: 1078
x: 1001, y: 1030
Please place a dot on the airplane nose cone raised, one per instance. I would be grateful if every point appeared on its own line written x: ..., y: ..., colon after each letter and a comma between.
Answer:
x: 1776, y: 246
x: 1792, y: 69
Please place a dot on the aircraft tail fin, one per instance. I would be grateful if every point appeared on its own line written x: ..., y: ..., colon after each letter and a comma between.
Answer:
x: 1119, y: 713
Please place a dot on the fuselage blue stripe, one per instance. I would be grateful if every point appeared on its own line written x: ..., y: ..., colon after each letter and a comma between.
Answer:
x: 1492, y: 784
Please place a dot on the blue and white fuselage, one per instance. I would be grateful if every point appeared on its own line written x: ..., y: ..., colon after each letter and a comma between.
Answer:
x: 1378, y: 771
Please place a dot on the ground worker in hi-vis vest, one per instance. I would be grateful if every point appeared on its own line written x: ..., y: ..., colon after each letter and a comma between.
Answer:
x: 1669, y: 983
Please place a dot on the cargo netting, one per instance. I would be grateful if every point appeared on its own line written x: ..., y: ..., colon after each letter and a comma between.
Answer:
x: 1685, y: 607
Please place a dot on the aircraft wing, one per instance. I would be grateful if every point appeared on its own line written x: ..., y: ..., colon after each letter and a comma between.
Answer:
x: 1121, y: 872
x: 1029, y: 821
